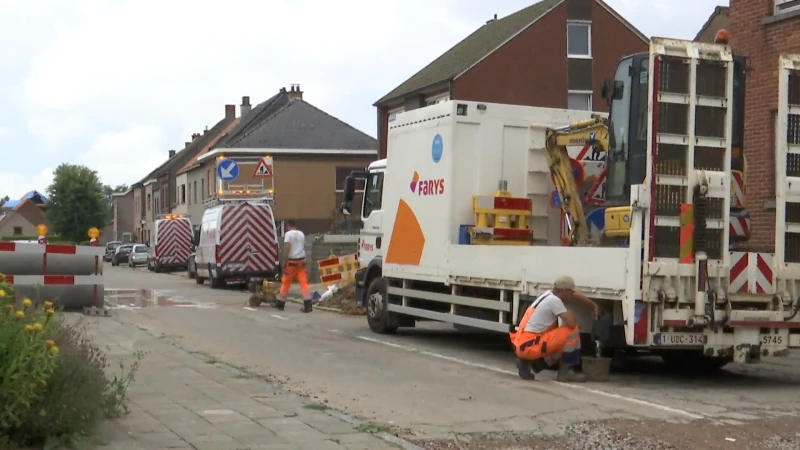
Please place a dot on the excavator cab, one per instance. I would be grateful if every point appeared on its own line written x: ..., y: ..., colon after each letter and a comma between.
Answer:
x: 627, y: 97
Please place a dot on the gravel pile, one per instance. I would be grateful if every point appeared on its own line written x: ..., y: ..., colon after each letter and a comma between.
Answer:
x: 781, y: 434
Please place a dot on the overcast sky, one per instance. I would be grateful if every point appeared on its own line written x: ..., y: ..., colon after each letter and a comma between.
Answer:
x: 115, y: 84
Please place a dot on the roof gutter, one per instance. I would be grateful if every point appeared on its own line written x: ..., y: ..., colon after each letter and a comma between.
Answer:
x: 285, y: 151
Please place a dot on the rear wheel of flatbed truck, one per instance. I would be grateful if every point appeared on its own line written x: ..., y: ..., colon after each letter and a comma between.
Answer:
x: 379, y: 318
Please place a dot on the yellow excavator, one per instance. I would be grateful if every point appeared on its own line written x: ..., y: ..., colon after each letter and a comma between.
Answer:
x: 591, y: 132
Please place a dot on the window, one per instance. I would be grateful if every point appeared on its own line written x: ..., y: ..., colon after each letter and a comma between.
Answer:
x: 437, y: 99
x: 373, y: 197
x: 148, y: 202
x: 341, y: 175
x: 183, y: 193
x: 579, y: 100
x: 202, y: 190
x: 195, y: 192
x: 782, y: 6
x: 17, y: 231
x: 579, y: 40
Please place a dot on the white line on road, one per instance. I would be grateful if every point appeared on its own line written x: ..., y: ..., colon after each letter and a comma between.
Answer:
x: 250, y: 309
x: 279, y: 317
x: 637, y: 401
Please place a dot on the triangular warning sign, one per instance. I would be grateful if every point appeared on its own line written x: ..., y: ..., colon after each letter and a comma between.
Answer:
x: 263, y: 169
x: 596, y: 195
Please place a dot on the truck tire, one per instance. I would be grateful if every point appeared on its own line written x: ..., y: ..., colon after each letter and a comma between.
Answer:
x: 215, y: 281
x: 693, y: 361
x: 379, y: 318
x: 199, y: 279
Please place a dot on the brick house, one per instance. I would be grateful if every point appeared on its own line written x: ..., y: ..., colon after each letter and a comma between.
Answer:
x: 18, y: 219
x: 762, y: 30
x: 554, y: 53
x: 122, y: 220
x: 312, y: 154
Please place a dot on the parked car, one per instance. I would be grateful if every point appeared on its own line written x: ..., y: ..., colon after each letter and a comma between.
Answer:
x: 138, y: 255
x: 191, y: 267
x: 111, y: 247
x: 121, y: 254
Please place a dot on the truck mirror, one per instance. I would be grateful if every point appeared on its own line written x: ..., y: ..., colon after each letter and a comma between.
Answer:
x: 349, y: 188
x: 619, y: 90
x: 604, y: 94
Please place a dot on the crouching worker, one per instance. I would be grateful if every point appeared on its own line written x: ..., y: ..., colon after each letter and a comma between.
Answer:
x: 539, y: 342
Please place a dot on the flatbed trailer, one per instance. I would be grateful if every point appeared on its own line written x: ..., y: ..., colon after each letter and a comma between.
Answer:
x: 458, y: 227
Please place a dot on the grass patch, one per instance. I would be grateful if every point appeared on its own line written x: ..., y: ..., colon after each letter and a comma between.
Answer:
x: 374, y: 428
x: 316, y: 407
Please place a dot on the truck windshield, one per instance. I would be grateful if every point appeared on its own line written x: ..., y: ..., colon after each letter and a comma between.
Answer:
x: 373, y: 194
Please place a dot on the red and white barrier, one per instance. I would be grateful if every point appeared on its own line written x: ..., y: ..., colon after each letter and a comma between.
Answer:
x: 70, y: 275
x: 751, y: 273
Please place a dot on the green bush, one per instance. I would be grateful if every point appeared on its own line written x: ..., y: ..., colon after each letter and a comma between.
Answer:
x: 53, y: 385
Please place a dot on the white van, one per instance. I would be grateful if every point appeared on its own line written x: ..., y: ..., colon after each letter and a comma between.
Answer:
x: 238, y: 243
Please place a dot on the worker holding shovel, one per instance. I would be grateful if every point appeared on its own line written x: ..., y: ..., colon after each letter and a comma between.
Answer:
x: 539, y: 342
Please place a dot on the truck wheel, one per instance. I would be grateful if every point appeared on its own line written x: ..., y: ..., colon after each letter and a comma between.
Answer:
x: 191, y: 274
x: 199, y: 280
x: 379, y: 318
x: 693, y: 361
x: 157, y: 267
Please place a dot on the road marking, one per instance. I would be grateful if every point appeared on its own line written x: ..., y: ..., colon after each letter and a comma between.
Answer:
x: 250, y: 309
x: 279, y: 317
x: 637, y: 401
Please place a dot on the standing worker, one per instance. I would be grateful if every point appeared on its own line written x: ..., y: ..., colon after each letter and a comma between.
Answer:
x: 294, y: 266
x: 539, y: 342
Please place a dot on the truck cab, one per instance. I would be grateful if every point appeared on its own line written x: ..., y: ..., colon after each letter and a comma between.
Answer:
x: 370, y: 241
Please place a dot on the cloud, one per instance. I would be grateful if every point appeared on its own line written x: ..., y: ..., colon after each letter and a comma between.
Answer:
x: 53, y: 132
x: 125, y: 156
x: 16, y: 183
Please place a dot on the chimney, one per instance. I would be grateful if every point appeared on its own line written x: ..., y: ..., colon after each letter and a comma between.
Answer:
x: 245, y: 108
x: 295, y: 92
x: 230, y: 112
x: 491, y: 20
x: 171, y: 153
x: 195, y: 136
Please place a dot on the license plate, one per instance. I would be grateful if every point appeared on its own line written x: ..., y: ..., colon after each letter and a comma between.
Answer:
x: 678, y: 339
x: 773, y: 339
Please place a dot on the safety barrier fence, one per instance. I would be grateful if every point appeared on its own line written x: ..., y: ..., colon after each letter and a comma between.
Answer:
x: 69, y: 275
x: 338, y: 269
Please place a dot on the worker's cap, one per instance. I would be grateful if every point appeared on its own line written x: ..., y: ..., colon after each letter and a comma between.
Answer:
x: 564, y: 283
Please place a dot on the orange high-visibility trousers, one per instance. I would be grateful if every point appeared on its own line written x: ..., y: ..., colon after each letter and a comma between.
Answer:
x: 295, y: 269
x: 553, y: 344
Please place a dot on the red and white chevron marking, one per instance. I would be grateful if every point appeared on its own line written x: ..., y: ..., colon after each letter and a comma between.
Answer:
x: 737, y: 189
x: 174, y: 241
x: 751, y: 273
x: 248, y: 241
x: 739, y: 226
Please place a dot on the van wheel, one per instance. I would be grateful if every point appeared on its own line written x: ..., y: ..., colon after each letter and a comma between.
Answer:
x: 379, y: 318
x: 157, y: 267
x: 216, y: 282
x: 199, y: 280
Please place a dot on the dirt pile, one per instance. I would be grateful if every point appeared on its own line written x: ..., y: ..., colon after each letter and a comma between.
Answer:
x: 345, y: 300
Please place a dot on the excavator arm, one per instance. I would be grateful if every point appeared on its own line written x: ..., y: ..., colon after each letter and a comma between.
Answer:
x: 592, y: 132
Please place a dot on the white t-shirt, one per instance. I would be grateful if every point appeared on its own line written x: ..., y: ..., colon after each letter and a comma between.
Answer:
x: 547, y: 311
x: 298, y: 241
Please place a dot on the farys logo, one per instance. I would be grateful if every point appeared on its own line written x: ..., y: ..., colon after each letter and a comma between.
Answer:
x: 427, y: 187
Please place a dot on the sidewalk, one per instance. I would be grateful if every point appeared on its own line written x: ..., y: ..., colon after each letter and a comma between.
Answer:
x: 184, y: 400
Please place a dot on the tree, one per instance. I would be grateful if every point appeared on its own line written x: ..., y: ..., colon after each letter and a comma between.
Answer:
x: 3, y: 201
x: 77, y: 202
x: 109, y: 191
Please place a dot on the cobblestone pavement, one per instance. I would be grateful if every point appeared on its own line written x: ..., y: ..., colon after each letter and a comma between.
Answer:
x: 185, y: 400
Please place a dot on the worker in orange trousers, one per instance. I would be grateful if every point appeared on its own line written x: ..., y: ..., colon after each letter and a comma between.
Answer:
x: 294, y: 267
x: 539, y: 342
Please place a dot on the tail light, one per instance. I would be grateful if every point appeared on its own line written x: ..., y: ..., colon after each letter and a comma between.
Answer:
x: 216, y: 253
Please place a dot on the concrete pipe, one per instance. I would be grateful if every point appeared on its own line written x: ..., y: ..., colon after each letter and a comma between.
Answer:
x: 70, y: 298
x: 18, y: 263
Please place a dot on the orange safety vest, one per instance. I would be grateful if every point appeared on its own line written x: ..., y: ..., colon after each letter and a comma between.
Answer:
x: 522, y: 340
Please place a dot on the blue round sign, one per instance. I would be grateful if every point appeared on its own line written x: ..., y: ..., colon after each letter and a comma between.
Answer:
x: 437, y: 148
x: 227, y: 170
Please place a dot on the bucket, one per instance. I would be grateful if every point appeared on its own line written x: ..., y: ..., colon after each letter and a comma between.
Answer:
x: 596, y: 369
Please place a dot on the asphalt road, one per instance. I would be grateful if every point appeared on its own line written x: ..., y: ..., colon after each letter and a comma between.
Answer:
x: 433, y: 381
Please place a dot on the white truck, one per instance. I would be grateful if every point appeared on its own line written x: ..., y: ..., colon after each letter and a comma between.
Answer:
x: 457, y: 227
